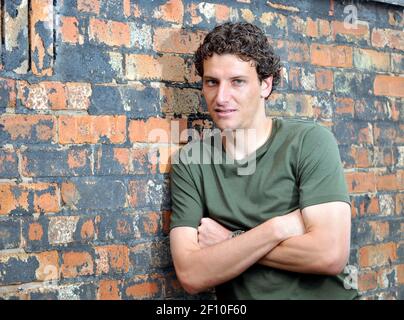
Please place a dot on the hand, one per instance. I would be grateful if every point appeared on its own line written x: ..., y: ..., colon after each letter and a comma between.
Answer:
x: 291, y: 224
x: 210, y: 232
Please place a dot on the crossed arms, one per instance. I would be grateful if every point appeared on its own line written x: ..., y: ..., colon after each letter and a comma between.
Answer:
x: 314, y: 240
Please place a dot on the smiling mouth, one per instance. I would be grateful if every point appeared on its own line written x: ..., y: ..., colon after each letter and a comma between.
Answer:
x: 225, y: 111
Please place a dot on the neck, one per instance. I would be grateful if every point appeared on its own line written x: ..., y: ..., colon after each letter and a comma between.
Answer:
x: 242, y: 142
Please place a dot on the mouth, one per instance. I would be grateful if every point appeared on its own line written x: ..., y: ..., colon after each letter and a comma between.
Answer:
x: 224, y: 112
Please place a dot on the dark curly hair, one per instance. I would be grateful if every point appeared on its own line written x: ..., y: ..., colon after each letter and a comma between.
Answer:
x: 245, y: 40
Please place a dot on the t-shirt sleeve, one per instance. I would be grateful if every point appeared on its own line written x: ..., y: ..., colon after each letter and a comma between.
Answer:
x: 187, y: 204
x: 320, y: 173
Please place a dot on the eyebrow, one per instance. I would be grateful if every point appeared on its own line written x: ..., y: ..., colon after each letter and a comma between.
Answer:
x: 231, y: 78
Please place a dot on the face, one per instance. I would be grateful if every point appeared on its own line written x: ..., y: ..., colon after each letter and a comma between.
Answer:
x: 234, y: 95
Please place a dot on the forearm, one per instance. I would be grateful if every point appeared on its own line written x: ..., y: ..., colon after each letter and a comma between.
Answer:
x: 204, y: 268
x: 308, y: 253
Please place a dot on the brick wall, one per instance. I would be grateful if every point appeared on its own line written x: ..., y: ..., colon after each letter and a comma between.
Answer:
x: 84, y: 198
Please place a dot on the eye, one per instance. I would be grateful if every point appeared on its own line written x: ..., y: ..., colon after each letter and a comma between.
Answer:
x: 238, y: 82
x: 210, y: 82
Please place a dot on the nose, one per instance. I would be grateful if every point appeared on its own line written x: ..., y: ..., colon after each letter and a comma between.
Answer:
x: 223, y: 94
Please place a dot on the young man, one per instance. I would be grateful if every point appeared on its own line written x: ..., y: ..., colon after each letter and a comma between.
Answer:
x: 281, y: 231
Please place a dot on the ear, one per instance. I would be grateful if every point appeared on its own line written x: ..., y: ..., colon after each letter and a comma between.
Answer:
x: 266, y: 87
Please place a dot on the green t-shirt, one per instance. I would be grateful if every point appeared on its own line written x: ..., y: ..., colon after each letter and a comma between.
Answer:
x: 298, y: 166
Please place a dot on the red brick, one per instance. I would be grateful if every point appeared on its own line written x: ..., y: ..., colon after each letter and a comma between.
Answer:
x: 87, y: 230
x: 389, y: 86
x: 112, y: 33
x: 389, y: 182
x: 312, y: 28
x: 91, y: 6
x: 344, y: 106
x: 350, y: 31
x: 388, y: 37
x: 109, y: 290
x: 297, y: 51
x: 112, y: 258
x: 48, y: 266
x: 9, y: 85
x: 166, y: 219
x: 399, y: 203
x: 377, y: 255
x: 32, y: 197
x: 76, y: 264
x: 167, y: 67
x: 324, y: 79
x: 41, y: 12
x: 165, y: 156
x: 171, y: 11
x: 32, y: 128
x: 367, y: 281
x: 151, y: 223
x: 400, y: 274
x: 324, y: 27
x: 362, y: 157
x: 371, y: 60
x: 331, y: 55
x: 140, y: 131
x: 143, y: 290
x: 359, y: 182
x: 380, y: 230
x: 35, y: 232
x: 69, y: 30
x: 222, y: 13
x: 177, y: 40
x: 91, y: 129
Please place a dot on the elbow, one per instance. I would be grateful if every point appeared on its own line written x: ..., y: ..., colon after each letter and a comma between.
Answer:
x: 189, y: 282
x: 335, y: 263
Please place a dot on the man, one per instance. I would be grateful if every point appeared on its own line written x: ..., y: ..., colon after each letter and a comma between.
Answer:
x: 279, y: 232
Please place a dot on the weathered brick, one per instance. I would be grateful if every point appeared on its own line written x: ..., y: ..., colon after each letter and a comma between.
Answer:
x: 388, y: 37
x: 16, y: 43
x: 324, y: 79
x: 17, y: 268
x: 180, y: 101
x: 331, y: 55
x: 143, y: 287
x: 51, y: 162
x: 29, y: 198
x: 173, y: 288
x: 41, y: 32
x: 400, y: 274
x: 367, y: 281
x: 165, y: 157
x: 156, y: 130
x: 397, y: 62
x: 389, y: 86
x: 371, y: 60
x: 10, y: 233
x: 69, y: 30
x: 400, y: 203
x: 344, y: 107
x: 274, y: 22
x: 111, y: 33
x: 29, y: 129
x: 377, y: 255
x: 171, y: 11
x: 112, y: 259
x: 385, y: 134
x: 297, y: 52
x: 8, y: 164
x: 352, y: 84
x: 87, y: 229
x: 48, y: 266
x: 92, y: 129
x: 76, y: 263
x: 366, y: 205
x: 349, y: 132
x: 166, y: 67
x: 90, y: 6
x: 8, y: 93
x: 356, y: 157
x: 134, y: 100
x: 359, y: 182
x: 177, y: 40
x: 94, y: 193
x: 109, y: 290
x: 118, y: 227
x: 152, y: 193
x: 61, y: 229
x: 80, y: 291
x: 386, y: 182
x: 350, y: 32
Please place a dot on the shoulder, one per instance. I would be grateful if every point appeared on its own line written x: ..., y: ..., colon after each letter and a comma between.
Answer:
x: 306, y: 131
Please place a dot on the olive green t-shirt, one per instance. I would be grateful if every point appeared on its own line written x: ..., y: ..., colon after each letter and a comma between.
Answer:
x: 298, y: 166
